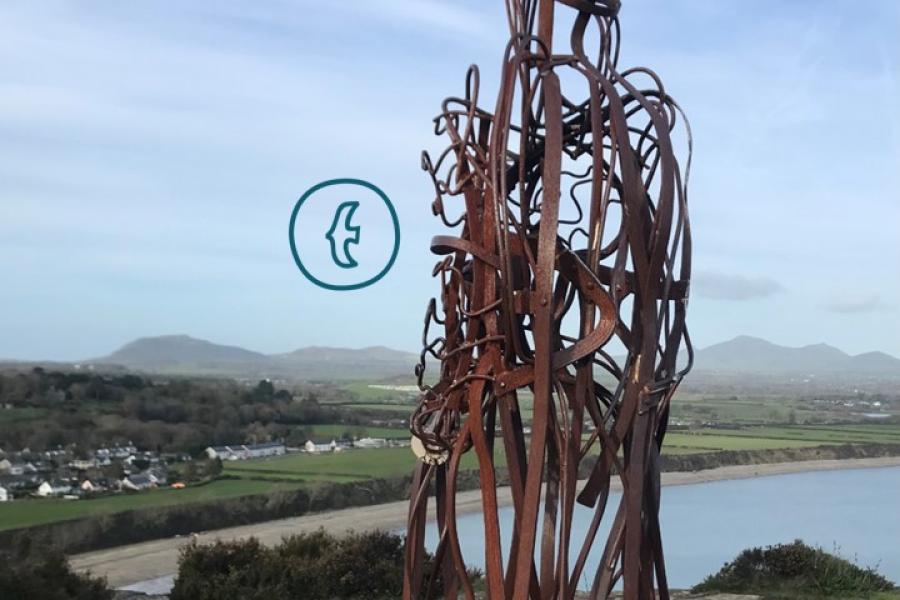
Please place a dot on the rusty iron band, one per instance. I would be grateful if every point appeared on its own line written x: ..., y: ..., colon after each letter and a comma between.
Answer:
x: 565, y: 282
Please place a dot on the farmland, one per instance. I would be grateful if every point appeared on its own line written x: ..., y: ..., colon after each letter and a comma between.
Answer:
x: 27, y: 513
x: 700, y: 423
x: 305, y: 470
x: 691, y: 407
x: 337, y: 430
x: 350, y: 465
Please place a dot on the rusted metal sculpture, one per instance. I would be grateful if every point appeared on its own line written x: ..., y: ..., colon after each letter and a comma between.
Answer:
x: 573, y: 247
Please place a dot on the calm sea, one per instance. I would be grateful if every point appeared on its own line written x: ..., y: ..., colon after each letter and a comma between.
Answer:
x: 704, y: 525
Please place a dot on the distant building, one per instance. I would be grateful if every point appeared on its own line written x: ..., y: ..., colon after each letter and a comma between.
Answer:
x: 244, y: 451
x: 265, y: 450
x: 371, y: 443
x: 158, y: 476
x: 83, y: 465
x: 118, y: 452
x: 48, y: 489
x: 87, y: 486
x: 5, y: 466
x: 137, y: 483
x: 220, y: 452
x: 314, y: 448
x: 21, y: 468
x: 21, y: 482
x: 4, y: 495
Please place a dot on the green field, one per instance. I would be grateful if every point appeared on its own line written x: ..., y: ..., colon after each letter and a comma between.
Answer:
x: 754, y: 438
x: 393, y: 408
x: 12, y: 415
x: 25, y: 513
x: 704, y: 442
x: 834, y: 434
x: 350, y: 465
x: 691, y: 407
x: 337, y: 430
x: 365, y: 393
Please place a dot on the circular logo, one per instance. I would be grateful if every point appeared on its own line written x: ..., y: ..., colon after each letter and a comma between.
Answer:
x: 344, y: 234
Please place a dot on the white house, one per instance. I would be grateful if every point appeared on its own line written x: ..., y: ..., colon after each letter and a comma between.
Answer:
x: 87, y: 486
x: 47, y: 489
x: 222, y: 453
x: 368, y: 442
x: 18, y: 468
x: 244, y: 451
x: 4, y: 495
x: 265, y: 450
x: 124, y: 451
x: 82, y: 465
x: 314, y: 448
x: 137, y: 483
x: 157, y: 476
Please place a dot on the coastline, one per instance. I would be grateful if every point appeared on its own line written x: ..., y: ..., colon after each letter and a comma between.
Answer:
x: 127, y: 566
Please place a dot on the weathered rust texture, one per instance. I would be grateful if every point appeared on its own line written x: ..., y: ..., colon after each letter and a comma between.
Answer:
x: 566, y: 276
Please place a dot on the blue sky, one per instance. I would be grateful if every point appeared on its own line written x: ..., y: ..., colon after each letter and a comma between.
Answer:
x: 151, y: 153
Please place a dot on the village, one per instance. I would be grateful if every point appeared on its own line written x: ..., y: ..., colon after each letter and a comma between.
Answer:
x: 65, y: 473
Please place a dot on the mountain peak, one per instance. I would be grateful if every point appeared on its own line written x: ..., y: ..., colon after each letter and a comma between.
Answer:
x: 746, y: 353
x: 180, y: 353
x: 177, y: 349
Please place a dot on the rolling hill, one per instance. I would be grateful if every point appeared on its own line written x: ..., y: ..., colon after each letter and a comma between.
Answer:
x: 746, y: 354
x: 322, y: 362
x: 738, y: 357
x: 182, y: 354
x: 172, y: 350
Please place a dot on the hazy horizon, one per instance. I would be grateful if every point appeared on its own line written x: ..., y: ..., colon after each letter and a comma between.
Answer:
x: 152, y: 153
x: 32, y: 359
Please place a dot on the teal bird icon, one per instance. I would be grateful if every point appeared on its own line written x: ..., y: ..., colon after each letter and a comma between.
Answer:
x: 342, y: 233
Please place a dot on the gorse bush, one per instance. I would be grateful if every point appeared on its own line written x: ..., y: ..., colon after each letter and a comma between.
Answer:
x: 313, y: 566
x: 794, y: 570
x: 47, y: 577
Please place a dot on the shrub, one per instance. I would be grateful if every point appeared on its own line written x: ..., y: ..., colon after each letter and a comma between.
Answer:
x: 313, y: 566
x: 310, y: 565
x: 48, y: 577
x: 794, y: 570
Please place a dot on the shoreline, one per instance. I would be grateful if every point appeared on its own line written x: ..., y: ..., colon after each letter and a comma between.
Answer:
x: 134, y: 564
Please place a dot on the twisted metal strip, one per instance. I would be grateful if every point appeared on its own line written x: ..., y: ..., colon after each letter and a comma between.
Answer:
x: 572, y: 246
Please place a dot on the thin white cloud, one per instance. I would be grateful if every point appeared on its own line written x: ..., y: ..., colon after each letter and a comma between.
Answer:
x: 724, y: 286
x: 856, y: 304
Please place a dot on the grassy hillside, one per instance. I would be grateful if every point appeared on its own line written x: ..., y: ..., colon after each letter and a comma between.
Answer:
x: 26, y: 513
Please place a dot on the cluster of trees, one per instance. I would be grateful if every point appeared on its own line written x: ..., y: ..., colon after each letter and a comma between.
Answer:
x: 45, y: 409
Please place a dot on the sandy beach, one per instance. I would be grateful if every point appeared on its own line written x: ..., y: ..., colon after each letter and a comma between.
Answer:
x: 127, y: 565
